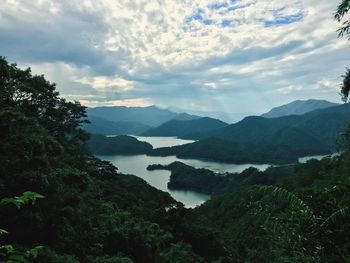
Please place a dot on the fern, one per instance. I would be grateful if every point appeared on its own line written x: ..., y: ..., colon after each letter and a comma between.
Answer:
x: 338, y: 215
x: 295, y: 201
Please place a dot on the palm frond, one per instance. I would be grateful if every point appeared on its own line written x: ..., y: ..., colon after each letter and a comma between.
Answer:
x: 337, y: 217
x: 292, y: 199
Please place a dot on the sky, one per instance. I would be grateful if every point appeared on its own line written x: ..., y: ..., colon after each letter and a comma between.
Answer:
x: 199, y: 55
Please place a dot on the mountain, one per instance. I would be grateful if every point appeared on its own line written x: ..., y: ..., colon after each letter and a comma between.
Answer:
x: 229, y: 117
x: 151, y: 116
x: 187, y: 129
x: 122, y: 144
x: 276, y: 140
x: 298, y: 107
x: 101, y: 126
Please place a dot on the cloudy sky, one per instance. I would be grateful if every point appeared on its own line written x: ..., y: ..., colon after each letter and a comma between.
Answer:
x: 228, y: 56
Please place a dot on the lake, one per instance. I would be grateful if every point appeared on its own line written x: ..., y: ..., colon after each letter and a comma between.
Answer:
x: 137, y: 164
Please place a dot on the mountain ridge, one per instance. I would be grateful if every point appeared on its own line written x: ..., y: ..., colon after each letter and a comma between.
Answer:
x: 269, y: 140
x: 187, y: 129
x: 151, y: 115
x: 298, y: 107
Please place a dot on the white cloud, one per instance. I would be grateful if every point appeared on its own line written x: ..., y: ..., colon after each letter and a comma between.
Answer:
x: 190, y: 52
x: 140, y: 102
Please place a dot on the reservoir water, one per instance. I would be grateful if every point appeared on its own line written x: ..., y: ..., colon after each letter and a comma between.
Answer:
x: 137, y: 164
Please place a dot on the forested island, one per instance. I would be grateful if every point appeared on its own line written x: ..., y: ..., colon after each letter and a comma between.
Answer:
x: 185, y: 177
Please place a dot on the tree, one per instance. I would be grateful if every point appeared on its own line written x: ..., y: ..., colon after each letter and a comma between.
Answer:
x: 9, y: 252
x: 342, y: 10
x: 345, y: 86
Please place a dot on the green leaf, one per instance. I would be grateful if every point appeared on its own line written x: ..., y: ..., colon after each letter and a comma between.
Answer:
x: 8, y: 248
x: 3, y: 232
x: 295, y: 201
x: 17, y: 259
x: 19, y: 201
x: 337, y: 216
x: 34, y: 251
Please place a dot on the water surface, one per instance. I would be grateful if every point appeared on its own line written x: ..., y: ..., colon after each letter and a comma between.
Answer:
x: 316, y: 157
x: 158, y: 142
x: 137, y: 164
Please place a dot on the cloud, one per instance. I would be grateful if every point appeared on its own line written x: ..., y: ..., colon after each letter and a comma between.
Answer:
x: 221, y: 55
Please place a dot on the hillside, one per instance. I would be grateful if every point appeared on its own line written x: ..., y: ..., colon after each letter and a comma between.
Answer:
x: 187, y: 129
x: 122, y: 144
x: 60, y: 204
x: 258, y: 140
x: 150, y: 116
x: 99, y: 125
x: 298, y: 107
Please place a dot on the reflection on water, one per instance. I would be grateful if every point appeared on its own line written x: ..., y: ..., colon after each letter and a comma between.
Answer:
x: 137, y: 164
x: 158, y: 142
x: 317, y: 157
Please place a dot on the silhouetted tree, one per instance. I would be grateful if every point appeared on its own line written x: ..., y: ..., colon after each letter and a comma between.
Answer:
x: 342, y: 10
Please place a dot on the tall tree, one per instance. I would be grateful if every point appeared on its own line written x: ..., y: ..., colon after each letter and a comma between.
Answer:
x: 342, y: 11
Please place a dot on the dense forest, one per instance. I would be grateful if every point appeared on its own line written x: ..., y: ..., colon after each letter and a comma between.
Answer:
x: 60, y: 204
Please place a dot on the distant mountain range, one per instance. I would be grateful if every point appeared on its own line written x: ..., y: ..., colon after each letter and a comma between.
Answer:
x: 229, y: 117
x: 149, y: 116
x: 275, y: 140
x: 187, y: 129
x: 298, y: 107
x: 120, y: 120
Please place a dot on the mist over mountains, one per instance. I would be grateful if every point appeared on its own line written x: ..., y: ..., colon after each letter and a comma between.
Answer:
x: 298, y: 107
x: 151, y: 116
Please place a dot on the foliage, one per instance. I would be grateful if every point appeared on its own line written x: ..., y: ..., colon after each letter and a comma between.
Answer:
x: 345, y: 87
x: 19, y: 201
x: 342, y: 10
x: 7, y: 251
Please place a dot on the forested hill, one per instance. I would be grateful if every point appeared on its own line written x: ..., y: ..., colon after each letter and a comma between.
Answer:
x: 99, y: 125
x: 298, y: 107
x: 150, y: 116
x: 323, y: 125
x: 121, y: 144
x: 262, y: 140
x: 187, y: 129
